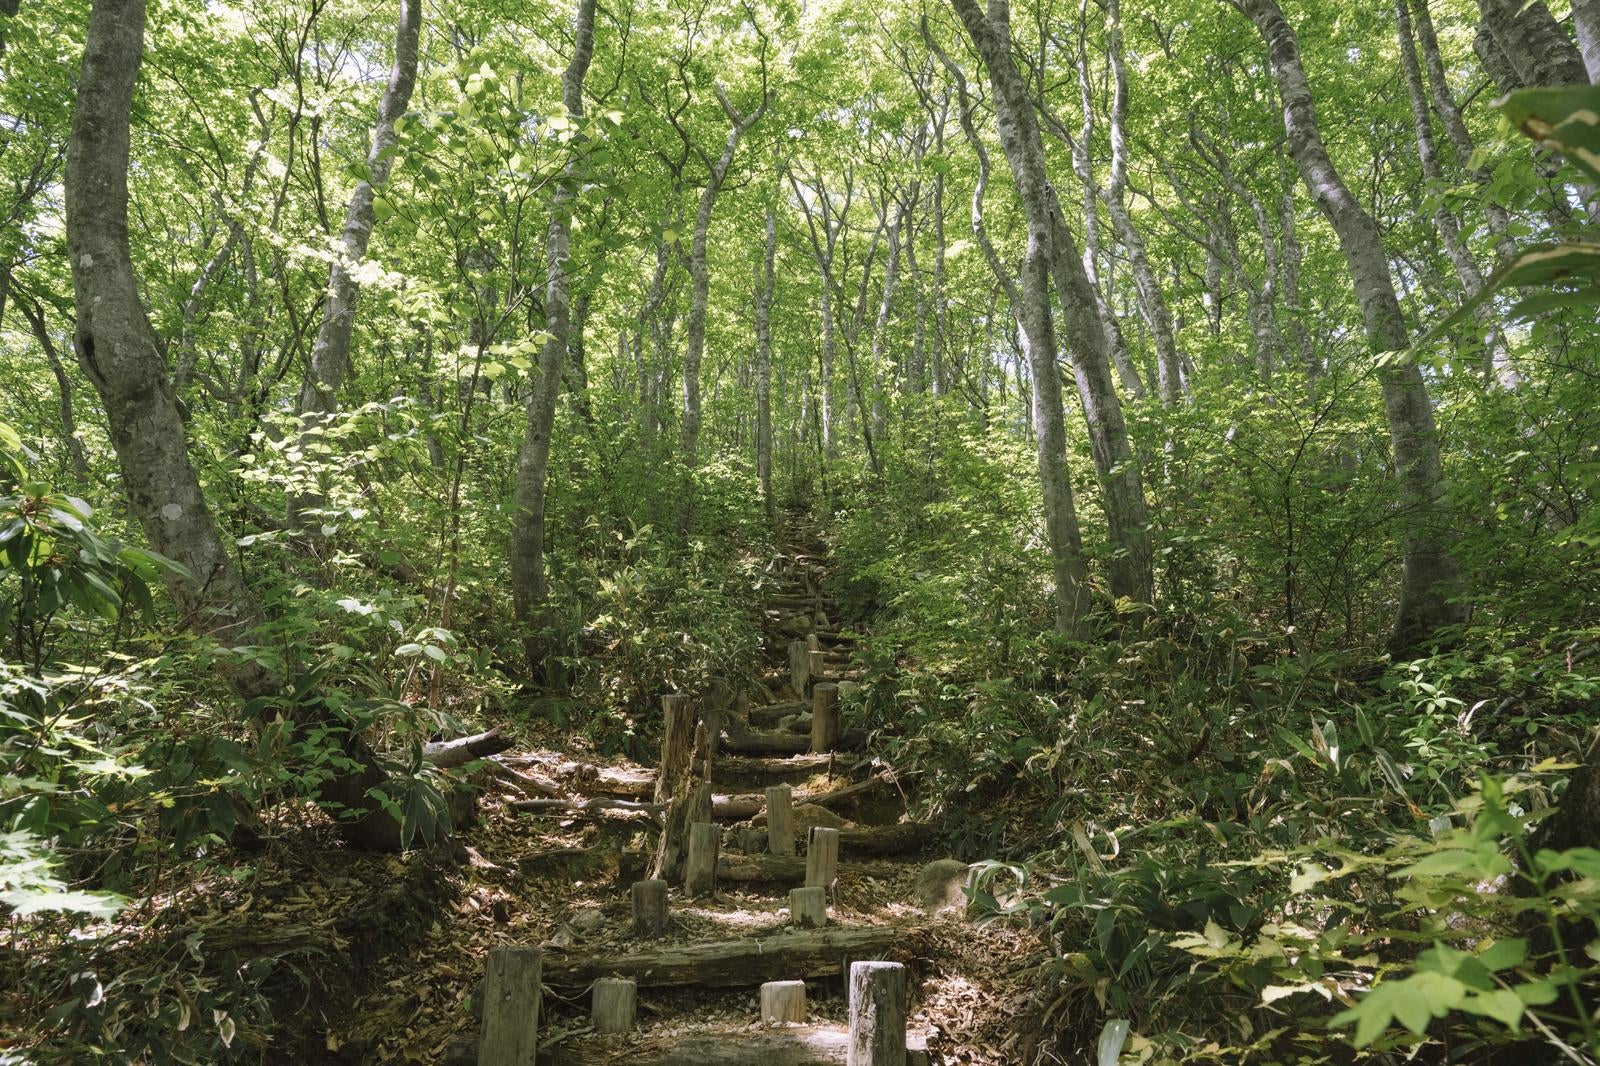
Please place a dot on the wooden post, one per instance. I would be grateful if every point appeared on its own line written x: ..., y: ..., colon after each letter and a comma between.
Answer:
x: 700, y: 869
x: 649, y: 908
x: 783, y: 1002
x: 877, y: 1014
x: 614, y: 1006
x: 817, y: 663
x: 822, y: 857
x: 808, y: 908
x: 510, y: 1007
x: 780, y: 820
x: 799, y: 666
x: 677, y: 732
x: 824, y: 716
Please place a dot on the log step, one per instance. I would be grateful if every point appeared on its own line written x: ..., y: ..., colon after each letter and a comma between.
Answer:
x: 807, y: 1045
x: 757, y: 742
x: 745, y: 963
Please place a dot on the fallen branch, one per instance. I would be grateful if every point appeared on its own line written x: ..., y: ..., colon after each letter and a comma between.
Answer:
x: 447, y: 753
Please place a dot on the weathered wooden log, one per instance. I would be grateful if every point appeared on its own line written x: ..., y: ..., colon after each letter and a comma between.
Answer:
x: 511, y: 992
x: 808, y: 908
x: 799, y: 666
x: 742, y: 963
x: 614, y: 1005
x: 877, y: 1014
x: 700, y: 868
x: 772, y: 712
x: 807, y: 1045
x: 462, y: 750
x: 677, y: 732
x: 731, y: 766
x: 613, y: 781
x: 759, y: 869
x: 587, y: 806
x: 780, y: 820
x: 783, y: 1003
x: 834, y: 798
x: 822, y: 857
x: 824, y: 717
x: 649, y: 908
x: 758, y: 743
x: 899, y: 838
x: 816, y: 664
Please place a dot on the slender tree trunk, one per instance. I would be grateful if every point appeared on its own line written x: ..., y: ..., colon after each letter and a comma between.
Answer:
x: 330, y: 354
x: 118, y: 351
x: 1084, y: 167
x: 529, y: 589
x: 1152, y: 303
x: 69, y: 422
x: 1014, y: 113
x: 700, y: 274
x: 764, y: 292
x: 1430, y: 579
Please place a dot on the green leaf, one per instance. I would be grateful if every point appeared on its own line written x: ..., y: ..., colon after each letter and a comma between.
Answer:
x: 1112, y: 1036
x: 1566, y: 119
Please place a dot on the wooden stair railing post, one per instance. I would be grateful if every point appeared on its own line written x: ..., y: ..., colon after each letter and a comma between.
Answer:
x: 780, y: 820
x: 824, y: 716
x: 511, y: 991
x: 649, y: 908
x: 799, y: 667
x: 700, y: 869
x: 808, y: 908
x: 783, y: 1003
x: 822, y: 857
x: 614, y: 1006
x: 877, y: 1014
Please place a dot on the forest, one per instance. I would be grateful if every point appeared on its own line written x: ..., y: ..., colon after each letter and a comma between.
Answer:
x: 777, y: 532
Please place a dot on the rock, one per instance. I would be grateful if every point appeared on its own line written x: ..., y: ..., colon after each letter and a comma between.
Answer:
x: 745, y: 839
x: 808, y: 815
x: 462, y: 1050
x: 939, y: 884
x: 799, y: 723
x: 587, y: 920
x: 786, y: 723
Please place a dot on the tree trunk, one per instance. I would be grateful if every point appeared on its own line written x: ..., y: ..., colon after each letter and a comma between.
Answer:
x: 1586, y: 26
x: 1533, y: 43
x: 1116, y: 344
x: 1430, y: 578
x: 1014, y: 113
x: 528, y: 585
x: 700, y: 274
x: 118, y: 352
x: 330, y: 354
x: 1152, y: 304
x: 764, y: 291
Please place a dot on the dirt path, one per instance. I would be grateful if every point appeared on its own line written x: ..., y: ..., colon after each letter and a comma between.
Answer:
x: 557, y: 874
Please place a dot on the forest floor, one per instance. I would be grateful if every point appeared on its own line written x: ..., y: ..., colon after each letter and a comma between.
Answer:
x: 560, y: 880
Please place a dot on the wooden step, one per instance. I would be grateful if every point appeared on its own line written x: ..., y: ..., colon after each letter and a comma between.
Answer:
x: 757, y: 742
x: 744, y: 963
x: 769, y: 715
x: 806, y: 1045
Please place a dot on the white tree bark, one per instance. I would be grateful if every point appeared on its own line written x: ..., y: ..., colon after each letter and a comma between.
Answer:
x: 1014, y: 113
x: 330, y: 354
x: 700, y: 274
x: 1430, y: 579
x: 764, y: 292
x: 529, y: 588
x: 119, y: 353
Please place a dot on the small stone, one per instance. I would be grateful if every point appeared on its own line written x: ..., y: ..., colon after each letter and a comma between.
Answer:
x: 809, y: 815
x: 939, y: 886
x: 588, y: 920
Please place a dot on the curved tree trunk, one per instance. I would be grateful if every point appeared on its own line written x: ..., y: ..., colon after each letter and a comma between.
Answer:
x: 119, y: 353
x: 1019, y: 135
x: 528, y: 585
x: 1430, y: 580
x: 330, y: 354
